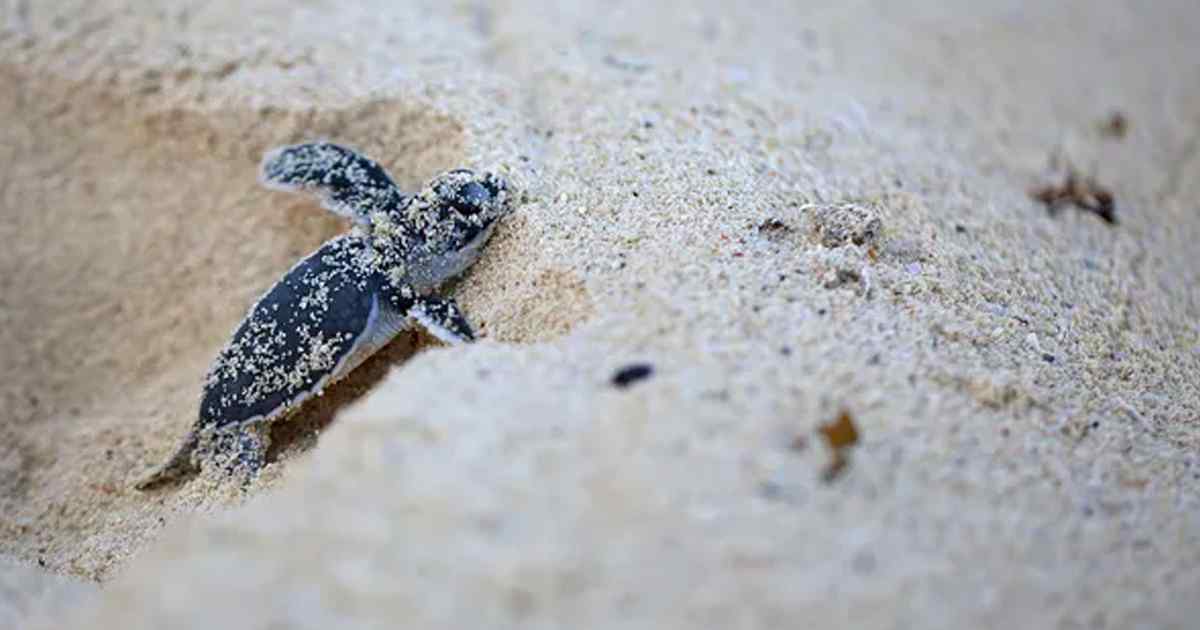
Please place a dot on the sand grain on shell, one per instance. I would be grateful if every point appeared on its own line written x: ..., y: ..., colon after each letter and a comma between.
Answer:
x: 989, y: 487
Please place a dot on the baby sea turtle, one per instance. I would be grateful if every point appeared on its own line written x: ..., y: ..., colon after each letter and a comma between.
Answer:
x: 343, y: 302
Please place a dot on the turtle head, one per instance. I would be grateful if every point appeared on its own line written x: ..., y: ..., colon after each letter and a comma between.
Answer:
x: 471, y: 201
x: 452, y: 217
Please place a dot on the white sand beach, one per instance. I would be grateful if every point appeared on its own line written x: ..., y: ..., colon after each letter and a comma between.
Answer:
x: 786, y: 209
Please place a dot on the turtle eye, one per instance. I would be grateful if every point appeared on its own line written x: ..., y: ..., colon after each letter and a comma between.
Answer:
x: 471, y: 198
x: 474, y: 197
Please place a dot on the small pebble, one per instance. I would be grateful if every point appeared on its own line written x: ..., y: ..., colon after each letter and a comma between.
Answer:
x: 848, y: 223
x: 631, y: 374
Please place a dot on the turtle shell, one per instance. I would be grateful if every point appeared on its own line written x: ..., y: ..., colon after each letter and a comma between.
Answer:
x: 298, y: 335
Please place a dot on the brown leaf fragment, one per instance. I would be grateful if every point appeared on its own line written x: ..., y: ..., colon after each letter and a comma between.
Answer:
x: 1082, y: 192
x: 840, y: 434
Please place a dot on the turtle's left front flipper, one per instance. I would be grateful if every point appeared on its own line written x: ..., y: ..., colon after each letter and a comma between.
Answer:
x: 350, y: 184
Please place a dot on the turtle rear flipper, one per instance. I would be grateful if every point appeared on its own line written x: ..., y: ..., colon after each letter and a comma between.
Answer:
x: 179, y: 465
x: 240, y: 451
x: 347, y: 183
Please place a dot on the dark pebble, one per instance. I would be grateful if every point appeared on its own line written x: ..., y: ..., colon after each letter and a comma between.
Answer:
x: 631, y: 374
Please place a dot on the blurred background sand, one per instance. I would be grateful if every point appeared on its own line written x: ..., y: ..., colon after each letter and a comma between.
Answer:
x: 787, y: 209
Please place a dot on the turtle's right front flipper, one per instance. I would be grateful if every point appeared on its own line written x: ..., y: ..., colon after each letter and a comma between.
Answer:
x: 442, y: 318
x: 348, y: 183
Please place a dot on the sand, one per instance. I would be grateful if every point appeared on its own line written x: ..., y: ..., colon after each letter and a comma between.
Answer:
x: 786, y: 210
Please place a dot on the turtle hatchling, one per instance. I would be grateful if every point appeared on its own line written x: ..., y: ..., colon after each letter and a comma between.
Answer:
x: 343, y: 302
